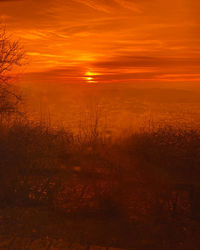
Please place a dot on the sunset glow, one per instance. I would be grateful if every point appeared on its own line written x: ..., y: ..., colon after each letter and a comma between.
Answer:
x: 120, y: 40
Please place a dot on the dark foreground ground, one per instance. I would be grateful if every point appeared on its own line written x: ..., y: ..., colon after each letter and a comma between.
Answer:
x: 60, y: 191
x: 41, y: 229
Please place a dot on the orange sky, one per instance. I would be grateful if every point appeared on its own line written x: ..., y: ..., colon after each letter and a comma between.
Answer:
x: 99, y: 41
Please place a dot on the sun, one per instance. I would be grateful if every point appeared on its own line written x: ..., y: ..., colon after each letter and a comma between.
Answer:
x: 89, y: 76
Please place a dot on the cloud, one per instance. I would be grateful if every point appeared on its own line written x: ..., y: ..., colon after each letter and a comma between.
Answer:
x: 10, y: 0
x: 111, y: 6
x: 128, y: 61
x: 137, y: 38
x: 129, y: 5
x: 96, y: 5
x: 43, y: 55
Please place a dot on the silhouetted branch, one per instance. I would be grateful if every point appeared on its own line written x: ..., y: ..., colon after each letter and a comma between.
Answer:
x: 11, y: 55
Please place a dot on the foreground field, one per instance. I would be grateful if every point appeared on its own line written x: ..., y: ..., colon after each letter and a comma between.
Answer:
x: 61, y: 191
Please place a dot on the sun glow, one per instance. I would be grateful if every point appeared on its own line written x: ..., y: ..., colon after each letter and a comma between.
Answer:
x: 89, y: 76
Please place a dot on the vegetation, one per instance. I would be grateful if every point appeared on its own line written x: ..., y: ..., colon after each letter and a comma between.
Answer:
x: 137, y: 192
x: 11, y: 55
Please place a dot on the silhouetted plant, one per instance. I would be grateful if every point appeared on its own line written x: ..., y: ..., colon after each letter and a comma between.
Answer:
x: 11, y: 55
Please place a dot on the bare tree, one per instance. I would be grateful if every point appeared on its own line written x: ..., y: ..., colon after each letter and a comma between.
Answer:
x: 11, y: 55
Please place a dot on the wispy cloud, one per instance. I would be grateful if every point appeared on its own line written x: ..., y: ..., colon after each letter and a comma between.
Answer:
x: 96, y: 5
x: 41, y: 54
x: 129, y: 5
x: 10, y: 0
x: 117, y: 38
